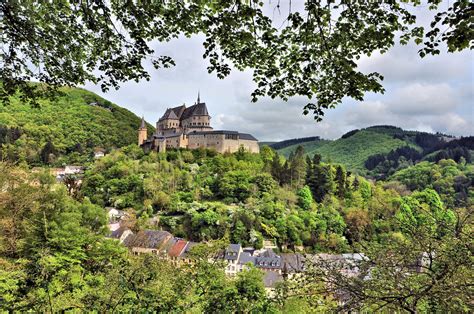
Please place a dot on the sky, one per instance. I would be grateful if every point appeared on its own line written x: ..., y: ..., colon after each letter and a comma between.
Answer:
x: 433, y: 94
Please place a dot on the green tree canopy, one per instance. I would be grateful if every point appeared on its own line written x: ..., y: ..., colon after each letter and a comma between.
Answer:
x: 313, y: 53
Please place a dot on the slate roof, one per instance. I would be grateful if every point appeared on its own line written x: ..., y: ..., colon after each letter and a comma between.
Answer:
x: 245, y: 258
x: 268, y: 253
x: 170, y: 114
x: 181, y: 112
x: 199, y: 109
x: 243, y: 136
x: 234, y: 248
x: 268, y: 259
x: 246, y: 136
x: 271, y: 278
x: 143, y: 124
x: 212, y: 132
x: 118, y: 233
x: 293, y: 262
x: 128, y: 240
x: 268, y: 262
x: 151, y: 239
x: 232, y: 252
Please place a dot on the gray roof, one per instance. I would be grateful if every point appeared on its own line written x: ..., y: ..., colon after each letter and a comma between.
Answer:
x: 246, y: 136
x: 270, y: 278
x: 151, y: 239
x: 268, y: 253
x: 181, y: 112
x: 232, y: 251
x: 213, y: 132
x: 116, y: 234
x: 243, y: 136
x: 293, y: 262
x: 128, y: 240
x: 245, y: 258
x: 199, y: 109
x: 173, y: 113
x: 143, y: 124
x: 268, y: 262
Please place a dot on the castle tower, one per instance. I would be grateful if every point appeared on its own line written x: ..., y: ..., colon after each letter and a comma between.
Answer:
x: 142, y: 132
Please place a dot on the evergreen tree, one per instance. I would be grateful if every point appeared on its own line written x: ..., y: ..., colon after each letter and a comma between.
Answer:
x: 276, y: 168
x: 298, y: 167
x: 340, y: 181
x: 286, y: 174
x: 355, y: 184
x: 47, y: 153
x: 309, y: 169
x: 316, y: 159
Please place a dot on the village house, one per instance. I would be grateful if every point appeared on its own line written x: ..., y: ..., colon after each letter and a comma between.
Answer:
x: 116, y: 217
x: 121, y: 233
x: 99, y: 153
x: 276, y: 267
x: 177, y: 250
x: 61, y: 173
x: 148, y: 242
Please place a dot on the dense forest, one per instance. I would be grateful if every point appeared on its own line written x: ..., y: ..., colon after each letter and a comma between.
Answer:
x: 379, y: 151
x: 382, y: 218
x: 299, y: 201
x: 55, y: 256
x: 66, y: 129
x: 382, y: 192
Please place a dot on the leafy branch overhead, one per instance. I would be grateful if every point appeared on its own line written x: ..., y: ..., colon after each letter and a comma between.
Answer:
x: 313, y: 53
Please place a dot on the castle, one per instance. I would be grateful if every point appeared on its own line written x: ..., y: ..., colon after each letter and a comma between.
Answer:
x: 182, y: 127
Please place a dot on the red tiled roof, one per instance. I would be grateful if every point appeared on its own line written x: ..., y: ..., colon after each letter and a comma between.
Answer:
x: 177, y: 248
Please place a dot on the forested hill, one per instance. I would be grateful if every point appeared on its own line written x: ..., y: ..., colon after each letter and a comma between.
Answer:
x: 380, y: 150
x: 66, y: 129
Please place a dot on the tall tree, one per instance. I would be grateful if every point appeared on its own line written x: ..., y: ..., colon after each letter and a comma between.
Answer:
x: 276, y: 168
x: 47, y: 153
x: 298, y: 167
x: 340, y: 181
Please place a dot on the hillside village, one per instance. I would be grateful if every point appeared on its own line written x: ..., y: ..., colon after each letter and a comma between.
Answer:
x: 277, y: 267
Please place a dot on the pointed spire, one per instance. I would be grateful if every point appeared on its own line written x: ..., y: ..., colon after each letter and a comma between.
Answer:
x: 143, y: 124
x: 199, y: 100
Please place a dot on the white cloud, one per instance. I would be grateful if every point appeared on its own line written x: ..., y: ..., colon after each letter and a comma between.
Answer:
x: 434, y: 93
x: 371, y: 113
x: 424, y: 99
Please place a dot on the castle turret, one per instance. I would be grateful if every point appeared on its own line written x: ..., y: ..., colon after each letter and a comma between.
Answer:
x: 142, y: 132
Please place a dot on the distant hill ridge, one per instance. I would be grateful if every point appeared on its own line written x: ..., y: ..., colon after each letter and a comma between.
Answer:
x: 286, y: 143
x: 73, y: 126
x: 385, y: 142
